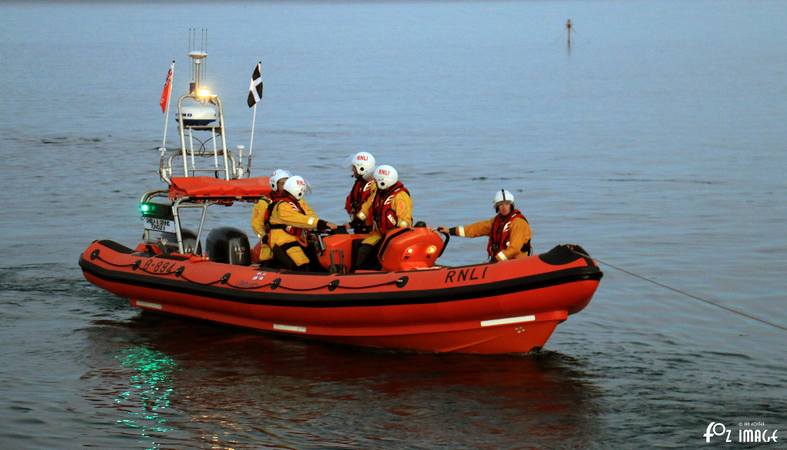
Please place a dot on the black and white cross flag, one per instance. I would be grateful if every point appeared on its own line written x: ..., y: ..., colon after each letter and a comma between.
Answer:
x: 255, y: 86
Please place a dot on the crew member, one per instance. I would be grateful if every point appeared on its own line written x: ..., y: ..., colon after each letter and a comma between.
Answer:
x: 363, y: 189
x: 277, y: 179
x: 508, y: 231
x: 390, y: 208
x: 289, y: 223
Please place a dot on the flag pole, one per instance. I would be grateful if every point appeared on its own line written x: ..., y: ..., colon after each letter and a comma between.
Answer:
x: 251, y: 143
x: 169, y: 100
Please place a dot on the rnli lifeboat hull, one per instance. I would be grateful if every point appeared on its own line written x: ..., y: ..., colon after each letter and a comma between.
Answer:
x: 509, y: 307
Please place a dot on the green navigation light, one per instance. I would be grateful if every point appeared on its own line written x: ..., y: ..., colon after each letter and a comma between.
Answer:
x: 157, y: 210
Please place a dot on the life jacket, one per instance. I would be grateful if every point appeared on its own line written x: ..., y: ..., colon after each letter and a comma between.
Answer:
x: 258, y: 215
x: 266, y: 215
x: 382, y: 208
x: 299, y: 233
x: 501, y: 233
x: 358, y: 195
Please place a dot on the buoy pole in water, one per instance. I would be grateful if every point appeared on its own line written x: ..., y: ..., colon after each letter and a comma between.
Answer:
x: 569, y: 30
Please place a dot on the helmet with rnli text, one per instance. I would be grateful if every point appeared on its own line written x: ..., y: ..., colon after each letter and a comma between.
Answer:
x: 363, y: 163
x: 385, y: 176
x: 502, y: 196
x: 297, y: 187
x: 277, y: 175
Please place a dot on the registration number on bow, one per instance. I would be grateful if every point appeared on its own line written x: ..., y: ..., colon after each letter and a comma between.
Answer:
x: 156, y: 224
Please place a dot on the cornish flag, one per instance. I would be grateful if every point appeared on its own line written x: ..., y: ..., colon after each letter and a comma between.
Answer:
x: 255, y: 87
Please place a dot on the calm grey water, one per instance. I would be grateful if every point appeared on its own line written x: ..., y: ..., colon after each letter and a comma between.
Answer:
x: 657, y: 143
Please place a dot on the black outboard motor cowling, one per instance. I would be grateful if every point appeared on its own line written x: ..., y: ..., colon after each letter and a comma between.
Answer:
x: 229, y: 246
x: 169, y: 242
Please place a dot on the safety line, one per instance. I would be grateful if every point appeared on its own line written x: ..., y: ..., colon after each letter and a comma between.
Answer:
x: 180, y: 272
x: 687, y: 294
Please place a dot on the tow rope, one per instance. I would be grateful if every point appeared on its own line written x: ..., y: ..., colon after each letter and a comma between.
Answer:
x: 684, y: 293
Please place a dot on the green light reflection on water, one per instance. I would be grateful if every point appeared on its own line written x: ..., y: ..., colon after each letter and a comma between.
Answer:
x: 149, y: 390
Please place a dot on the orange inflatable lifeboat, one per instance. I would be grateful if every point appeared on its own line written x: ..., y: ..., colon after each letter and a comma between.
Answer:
x: 413, y: 303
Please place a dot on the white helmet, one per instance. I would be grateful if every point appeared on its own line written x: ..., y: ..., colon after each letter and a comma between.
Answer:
x: 297, y: 187
x: 363, y: 163
x: 277, y: 175
x: 502, y: 196
x: 385, y: 176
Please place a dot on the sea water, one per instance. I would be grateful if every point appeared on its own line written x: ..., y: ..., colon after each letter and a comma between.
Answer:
x: 656, y: 141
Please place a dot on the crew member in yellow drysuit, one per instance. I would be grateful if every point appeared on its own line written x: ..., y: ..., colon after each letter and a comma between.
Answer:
x: 509, y: 231
x: 289, y: 222
x: 391, y: 207
x: 277, y: 179
x: 363, y: 189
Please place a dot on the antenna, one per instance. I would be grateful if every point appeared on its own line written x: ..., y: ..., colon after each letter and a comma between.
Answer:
x: 197, y: 57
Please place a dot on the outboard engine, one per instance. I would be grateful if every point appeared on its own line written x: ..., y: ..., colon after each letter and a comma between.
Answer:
x: 190, y: 244
x: 229, y: 246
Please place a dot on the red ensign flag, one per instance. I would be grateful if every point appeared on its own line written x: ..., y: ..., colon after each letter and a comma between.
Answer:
x: 165, y: 92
